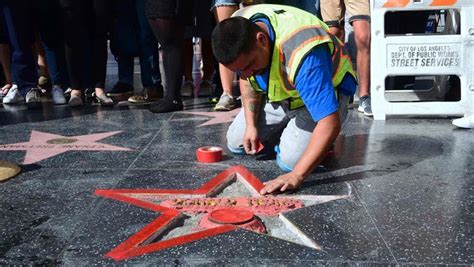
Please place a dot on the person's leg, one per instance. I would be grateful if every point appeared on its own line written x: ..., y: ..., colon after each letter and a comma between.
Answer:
x: 50, y: 49
x: 204, y: 27
x: 332, y: 13
x: 149, y: 57
x: 272, y: 119
x: 362, y: 38
x: 297, y: 134
x: 75, y: 37
x: 124, y: 46
x: 125, y: 71
x: 188, y: 58
x: 6, y: 66
x: 169, y: 34
x: 102, y: 18
x: 222, y: 12
x: 19, y: 24
x: 5, y: 59
x: 168, y: 27
x: 44, y: 81
x: 360, y: 19
x: 52, y: 37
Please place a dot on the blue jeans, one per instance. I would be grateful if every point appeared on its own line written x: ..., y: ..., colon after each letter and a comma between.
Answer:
x: 140, y: 40
x: 19, y: 24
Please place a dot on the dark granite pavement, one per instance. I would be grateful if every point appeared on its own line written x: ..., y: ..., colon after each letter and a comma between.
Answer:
x: 410, y: 182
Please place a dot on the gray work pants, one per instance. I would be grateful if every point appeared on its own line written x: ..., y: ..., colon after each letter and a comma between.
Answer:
x: 297, y: 126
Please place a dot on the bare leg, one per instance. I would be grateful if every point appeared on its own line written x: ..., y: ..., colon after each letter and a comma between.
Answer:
x: 227, y: 76
x: 42, y: 64
x: 362, y: 40
x: 5, y: 60
x: 337, y: 31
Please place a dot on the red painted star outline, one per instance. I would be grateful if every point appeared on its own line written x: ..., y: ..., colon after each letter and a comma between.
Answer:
x: 137, y: 245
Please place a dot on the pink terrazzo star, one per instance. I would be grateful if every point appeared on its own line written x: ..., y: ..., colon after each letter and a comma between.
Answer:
x: 45, y: 145
x: 217, y: 117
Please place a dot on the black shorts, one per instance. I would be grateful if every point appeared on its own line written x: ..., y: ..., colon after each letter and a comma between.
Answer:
x: 180, y: 10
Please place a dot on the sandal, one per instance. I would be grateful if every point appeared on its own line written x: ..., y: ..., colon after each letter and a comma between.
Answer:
x: 104, y: 100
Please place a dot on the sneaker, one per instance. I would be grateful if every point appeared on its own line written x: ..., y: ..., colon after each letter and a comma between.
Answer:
x: 75, y: 101
x: 150, y: 94
x: 365, y: 105
x: 4, y: 90
x: 205, y: 88
x: 104, y: 100
x: 226, y: 103
x: 466, y: 122
x: 167, y: 105
x: 120, y: 88
x: 33, y: 98
x: 58, y: 95
x: 13, y: 96
x: 187, y: 89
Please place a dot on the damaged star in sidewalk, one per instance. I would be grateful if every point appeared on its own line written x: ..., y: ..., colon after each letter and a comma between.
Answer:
x: 227, y: 202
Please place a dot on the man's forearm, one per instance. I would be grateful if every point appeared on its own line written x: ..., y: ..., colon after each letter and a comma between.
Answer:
x: 323, y: 136
x: 250, y: 102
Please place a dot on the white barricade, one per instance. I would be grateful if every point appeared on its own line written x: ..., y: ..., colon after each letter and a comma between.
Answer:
x: 424, y: 55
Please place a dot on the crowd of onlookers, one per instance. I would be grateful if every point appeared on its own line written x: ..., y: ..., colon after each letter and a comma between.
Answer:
x: 59, y: 48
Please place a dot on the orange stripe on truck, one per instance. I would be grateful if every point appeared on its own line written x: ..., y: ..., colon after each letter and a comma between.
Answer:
x: 396, y: 3
x: 443, y: 2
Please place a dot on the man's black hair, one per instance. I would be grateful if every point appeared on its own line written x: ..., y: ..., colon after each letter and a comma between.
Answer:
x: 232, y: 37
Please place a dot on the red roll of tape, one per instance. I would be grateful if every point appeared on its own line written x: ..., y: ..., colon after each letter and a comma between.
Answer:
x: 209, y: 154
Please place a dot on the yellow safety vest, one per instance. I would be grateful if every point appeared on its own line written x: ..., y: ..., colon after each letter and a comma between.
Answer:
x: 297, y: 32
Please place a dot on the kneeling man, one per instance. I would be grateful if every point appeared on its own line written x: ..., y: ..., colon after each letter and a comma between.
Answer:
x: 295, y: 79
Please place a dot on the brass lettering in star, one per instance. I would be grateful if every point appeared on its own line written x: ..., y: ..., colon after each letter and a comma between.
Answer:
x: 60, y: 141
x: 45, y: 145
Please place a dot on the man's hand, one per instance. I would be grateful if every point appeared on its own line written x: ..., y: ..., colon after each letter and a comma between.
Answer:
x: 289, y: 181
x: 251, y: 140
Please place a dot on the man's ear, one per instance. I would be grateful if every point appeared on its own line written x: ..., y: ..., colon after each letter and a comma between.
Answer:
x: 262, y: 39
